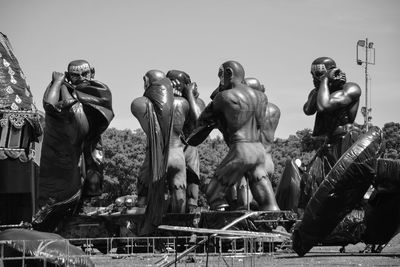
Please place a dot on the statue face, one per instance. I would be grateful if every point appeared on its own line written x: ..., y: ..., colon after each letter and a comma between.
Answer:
x: 79, y: 72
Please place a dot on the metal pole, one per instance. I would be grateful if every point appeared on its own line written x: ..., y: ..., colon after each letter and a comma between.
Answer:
x: 366, y: 85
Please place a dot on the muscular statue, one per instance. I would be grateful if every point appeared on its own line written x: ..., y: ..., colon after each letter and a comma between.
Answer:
x: 19, y: 130
x: 239, y: 112
x: 187, y: 106
x: 78, y: 110
x: 334, y: 101
x: 239, y: 194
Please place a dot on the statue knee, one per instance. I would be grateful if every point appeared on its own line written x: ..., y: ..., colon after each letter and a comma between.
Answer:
x: 192, y: 195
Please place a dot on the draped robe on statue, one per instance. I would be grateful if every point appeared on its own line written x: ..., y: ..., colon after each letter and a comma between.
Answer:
x: 72, y: 151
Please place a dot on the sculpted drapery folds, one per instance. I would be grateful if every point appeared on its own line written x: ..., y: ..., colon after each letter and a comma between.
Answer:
x: 78, y: 110
x: 154, y: 111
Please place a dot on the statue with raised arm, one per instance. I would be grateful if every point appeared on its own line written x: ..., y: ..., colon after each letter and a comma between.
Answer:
x: 334, y: 102
x: 78, y: 110
x: 346, y: 163
x: 186, y: 98
x: 19, y: 130
x: 239, y: 113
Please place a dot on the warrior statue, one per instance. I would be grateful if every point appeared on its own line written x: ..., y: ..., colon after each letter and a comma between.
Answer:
x: 78, y: 110
x: 345, y: 165
x: 188, y: 107
x: 154, y: 111
x: 239, y: 112
x: 239, y: 195
x: 20, y: 129
x: 334, y: 101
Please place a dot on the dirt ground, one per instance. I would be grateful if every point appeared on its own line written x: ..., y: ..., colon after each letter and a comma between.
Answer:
x: 318, y: 256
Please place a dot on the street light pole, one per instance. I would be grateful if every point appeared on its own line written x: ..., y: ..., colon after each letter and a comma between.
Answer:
x: 369, y: 46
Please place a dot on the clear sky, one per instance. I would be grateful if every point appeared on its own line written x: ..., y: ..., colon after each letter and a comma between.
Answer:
x: 275, y: 41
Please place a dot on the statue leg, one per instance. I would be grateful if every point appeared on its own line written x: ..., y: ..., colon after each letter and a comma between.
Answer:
x: 244, y: 197
x: 261, y: 189
x: 232, y: 197
x: 192, y: 174
x: 177, y: 176
x: 192, y: 196
x: 215, y: 194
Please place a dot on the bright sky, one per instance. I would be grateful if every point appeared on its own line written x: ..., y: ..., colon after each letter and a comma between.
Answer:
x: 275, y: 41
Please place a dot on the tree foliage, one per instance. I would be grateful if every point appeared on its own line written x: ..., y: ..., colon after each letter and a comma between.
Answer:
x: 391, y: 137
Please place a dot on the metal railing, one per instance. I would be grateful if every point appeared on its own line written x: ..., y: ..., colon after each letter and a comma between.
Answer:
x: 150, y: 251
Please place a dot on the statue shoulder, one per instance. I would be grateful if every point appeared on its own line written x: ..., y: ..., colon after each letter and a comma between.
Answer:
x: 352, y: 88
x: 273, y: 109
x: 139, y: 106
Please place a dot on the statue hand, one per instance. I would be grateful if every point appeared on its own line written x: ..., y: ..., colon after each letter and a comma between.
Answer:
x: 190, y: 89
x: 58, y: 76
x: 334, y: 74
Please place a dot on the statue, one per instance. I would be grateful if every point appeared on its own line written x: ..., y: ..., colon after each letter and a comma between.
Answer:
x: 239, y: 113
x: 334, y: 101
x: 347, y: 159
x: 239, y: 195
x: 78, y: 110
x: 184, y: 89
x: 19, y: 130
x: 154, y: 111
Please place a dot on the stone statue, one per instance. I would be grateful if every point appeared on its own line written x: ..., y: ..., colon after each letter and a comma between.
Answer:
x: 239, y: 113
x: 19, y: 130
x: 78, y: 110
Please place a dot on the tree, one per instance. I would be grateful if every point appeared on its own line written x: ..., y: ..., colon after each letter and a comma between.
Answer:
x: 124, y: 152
x: 391, y: 140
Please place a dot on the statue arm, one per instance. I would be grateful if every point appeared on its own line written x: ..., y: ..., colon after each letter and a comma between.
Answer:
x: 195, y: 107
x: 207, y: 117
x: 327, y: 101
x: 52, y: 93
x: 57, y: 95
x: 310, y: 107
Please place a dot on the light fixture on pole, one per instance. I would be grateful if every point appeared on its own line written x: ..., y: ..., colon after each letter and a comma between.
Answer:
x: 368, y: 60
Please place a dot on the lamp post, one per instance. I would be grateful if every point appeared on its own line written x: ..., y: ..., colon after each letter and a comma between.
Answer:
x: 368, y: 60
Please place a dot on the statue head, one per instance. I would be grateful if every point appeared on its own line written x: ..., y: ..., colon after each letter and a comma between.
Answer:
x: 79, y: 71
x: 319, y: 67
x: 179, y: 80
x: 229, y: 73
x: 152, y: 76
x: 255, y: 84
